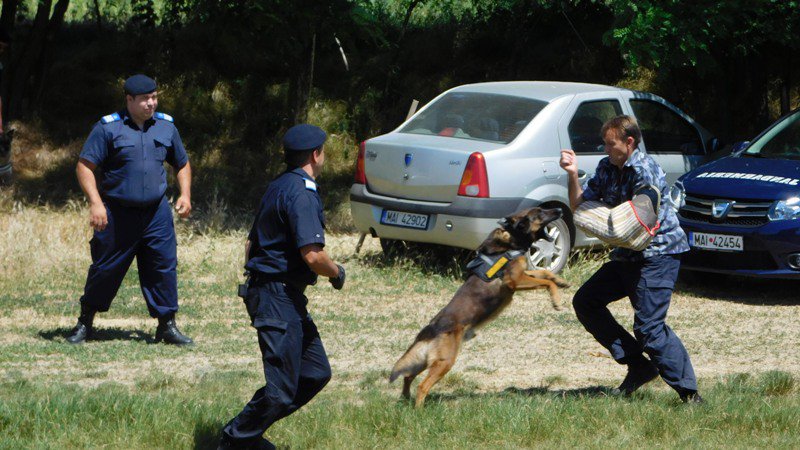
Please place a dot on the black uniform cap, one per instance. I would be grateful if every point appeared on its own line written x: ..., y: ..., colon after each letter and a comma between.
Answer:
x: 139, y: 84
x: 303, y: 137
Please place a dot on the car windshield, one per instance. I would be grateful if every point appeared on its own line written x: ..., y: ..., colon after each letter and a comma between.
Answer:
x: 781, y: 142
x: 476, y: 116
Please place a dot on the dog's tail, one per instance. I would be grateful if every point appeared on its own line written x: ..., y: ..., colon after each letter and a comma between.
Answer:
x: 414, y: 361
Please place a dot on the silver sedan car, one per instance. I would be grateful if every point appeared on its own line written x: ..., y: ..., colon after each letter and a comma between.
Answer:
x: 479, y: 152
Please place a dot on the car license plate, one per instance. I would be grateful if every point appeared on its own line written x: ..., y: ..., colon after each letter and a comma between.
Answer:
x: 403, y: 219
x: 722, y: 242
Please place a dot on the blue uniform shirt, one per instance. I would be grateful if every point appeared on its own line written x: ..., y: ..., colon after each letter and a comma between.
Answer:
x: 613, y: 187
x: 132, y: 159
x: 289, y: 217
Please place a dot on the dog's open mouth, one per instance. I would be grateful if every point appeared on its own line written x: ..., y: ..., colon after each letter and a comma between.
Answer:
x: 543, y: 232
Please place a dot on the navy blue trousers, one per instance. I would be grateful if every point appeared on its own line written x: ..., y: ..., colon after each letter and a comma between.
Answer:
x: 296, y: 367
x: 648, y: 284
x: 148, y: 234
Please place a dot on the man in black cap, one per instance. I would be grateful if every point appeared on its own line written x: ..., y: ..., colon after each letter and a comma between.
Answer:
x: 129, y: 212
x: 284, y: 255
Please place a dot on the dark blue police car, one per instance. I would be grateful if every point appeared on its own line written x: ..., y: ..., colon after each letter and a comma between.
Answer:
x: 741, y: 213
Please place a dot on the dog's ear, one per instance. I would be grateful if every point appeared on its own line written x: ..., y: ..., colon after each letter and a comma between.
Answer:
x: 10, y: 133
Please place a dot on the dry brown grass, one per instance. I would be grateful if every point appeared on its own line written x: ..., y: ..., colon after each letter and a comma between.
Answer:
x: 747, y: 328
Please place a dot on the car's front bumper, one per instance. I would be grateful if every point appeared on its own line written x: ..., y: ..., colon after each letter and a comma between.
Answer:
x: 767, y: 249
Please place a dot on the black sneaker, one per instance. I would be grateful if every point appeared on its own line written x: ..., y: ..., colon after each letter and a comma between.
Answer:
x: 638, y: 375
x: 691, y: 398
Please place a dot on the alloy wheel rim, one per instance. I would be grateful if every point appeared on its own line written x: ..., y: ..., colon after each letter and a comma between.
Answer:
x: 545, y: 254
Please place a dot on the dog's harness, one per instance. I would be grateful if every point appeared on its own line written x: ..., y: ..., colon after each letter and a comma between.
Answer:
x: 488, y: 267
x: 5, y: 169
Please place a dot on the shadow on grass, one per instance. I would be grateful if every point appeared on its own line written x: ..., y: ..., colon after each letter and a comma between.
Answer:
x: 745, y: 290
x: 53, y: 187
x: 207, y: 435
x: 101, y: 334
x: 587, y: 392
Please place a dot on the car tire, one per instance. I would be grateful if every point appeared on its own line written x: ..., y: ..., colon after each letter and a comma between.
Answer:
x: 553, y: 255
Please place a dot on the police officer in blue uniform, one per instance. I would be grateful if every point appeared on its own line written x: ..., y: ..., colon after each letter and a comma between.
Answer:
x: 128, y: 210
x: 646, y: 277
x: 284, y: 255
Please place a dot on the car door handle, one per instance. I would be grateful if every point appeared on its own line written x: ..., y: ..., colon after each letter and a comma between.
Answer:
x: 581, y: 174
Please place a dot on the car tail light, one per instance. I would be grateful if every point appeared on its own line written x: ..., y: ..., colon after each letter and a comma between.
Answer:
x: 361, y: 174
x: 475, y: 181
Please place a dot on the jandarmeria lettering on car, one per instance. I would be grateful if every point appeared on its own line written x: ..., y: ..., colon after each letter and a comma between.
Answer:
x: 751, y: 176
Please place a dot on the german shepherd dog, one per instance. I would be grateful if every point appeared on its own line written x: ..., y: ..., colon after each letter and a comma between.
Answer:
x: 477, y: 301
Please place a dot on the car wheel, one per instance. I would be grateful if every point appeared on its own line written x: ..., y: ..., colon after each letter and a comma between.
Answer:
x: 552, y: 255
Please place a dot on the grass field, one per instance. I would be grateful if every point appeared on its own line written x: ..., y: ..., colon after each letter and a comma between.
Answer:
x: 528, y: 380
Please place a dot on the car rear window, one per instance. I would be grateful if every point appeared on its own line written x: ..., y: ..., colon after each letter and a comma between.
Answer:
x: 476, y: 116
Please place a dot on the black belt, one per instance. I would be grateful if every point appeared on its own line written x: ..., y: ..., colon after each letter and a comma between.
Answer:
x: 257, y: 278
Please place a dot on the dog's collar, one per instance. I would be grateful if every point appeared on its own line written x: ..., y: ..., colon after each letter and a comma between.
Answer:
x: 4, y: 169
x: 489, y: 267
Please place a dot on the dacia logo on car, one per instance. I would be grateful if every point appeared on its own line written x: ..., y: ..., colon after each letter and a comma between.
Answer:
x: 721, y: 208
x: 409, y: 157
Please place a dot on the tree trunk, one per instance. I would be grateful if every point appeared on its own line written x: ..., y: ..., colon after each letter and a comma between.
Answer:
x: 9, y: 14
x: 98, y: 16
x: 30, y: 62
x: 786, y: 86
x: 7, y: 22
x: 387, y: 101
x: 56, y: 20
x: 300, y: 85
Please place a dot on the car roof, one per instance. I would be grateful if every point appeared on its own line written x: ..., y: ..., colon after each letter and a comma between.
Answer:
x: 540, y: 90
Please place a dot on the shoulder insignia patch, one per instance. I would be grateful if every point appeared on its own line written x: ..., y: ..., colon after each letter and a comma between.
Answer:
x: 310, y: 185
x: 110, y: 118
x: 163, y: 116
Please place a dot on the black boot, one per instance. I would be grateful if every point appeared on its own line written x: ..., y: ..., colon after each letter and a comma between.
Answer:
x: 690, y: 397
x: 638, y: 375
x: 168, y: 332
x: 83, y: 329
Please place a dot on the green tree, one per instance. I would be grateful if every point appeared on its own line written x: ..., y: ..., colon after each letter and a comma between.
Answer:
x: 734, y: 49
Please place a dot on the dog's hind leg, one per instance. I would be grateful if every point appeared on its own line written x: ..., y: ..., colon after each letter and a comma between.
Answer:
x: 438, y: 370
x: 407, y: 387
x: 445, y: 358
x: 407, y: 380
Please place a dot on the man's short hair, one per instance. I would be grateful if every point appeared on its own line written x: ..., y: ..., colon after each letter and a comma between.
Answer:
x: 294, y: 158
x: 625, y: 126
